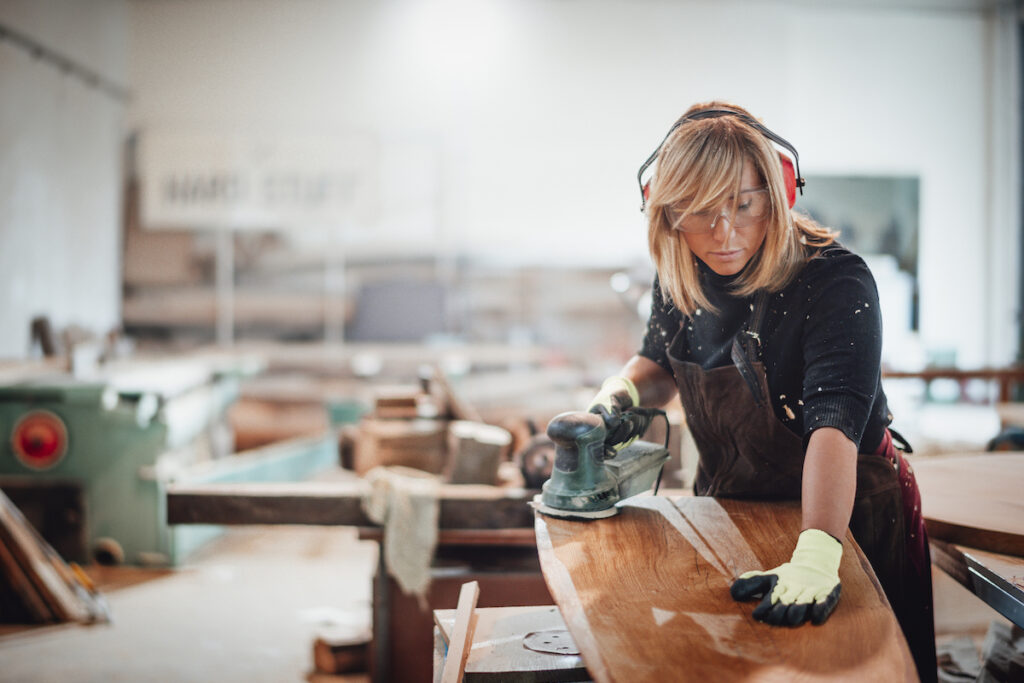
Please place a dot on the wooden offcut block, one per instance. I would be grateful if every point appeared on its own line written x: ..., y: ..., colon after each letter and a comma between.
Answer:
x: 334, y: 656
x: 420, y: 444
x: 477, y: 449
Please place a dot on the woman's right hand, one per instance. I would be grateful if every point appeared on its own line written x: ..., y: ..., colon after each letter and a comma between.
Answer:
x: 617, y: 393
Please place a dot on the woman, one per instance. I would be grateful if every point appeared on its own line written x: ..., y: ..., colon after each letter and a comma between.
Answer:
x: 771, y: 333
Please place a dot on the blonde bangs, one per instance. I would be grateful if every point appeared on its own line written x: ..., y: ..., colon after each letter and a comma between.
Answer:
x: 695, y: 174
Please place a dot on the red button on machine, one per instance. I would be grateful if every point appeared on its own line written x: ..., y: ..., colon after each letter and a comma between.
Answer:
x: 40, y: 439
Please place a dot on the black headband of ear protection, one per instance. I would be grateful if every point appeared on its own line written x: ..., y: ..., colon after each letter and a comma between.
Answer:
x: 712, y: 114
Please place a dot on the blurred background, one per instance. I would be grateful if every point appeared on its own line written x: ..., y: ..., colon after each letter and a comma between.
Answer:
x: 229, y: 224
x: 254, y: 170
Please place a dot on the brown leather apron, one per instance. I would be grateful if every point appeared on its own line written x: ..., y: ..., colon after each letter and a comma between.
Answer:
x: 745, y: 451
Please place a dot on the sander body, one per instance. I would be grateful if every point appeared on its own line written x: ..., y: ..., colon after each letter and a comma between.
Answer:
x: 599, y: 462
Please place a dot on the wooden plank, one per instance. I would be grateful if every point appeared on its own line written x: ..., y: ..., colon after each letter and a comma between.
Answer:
x: 974, y: 500
x: 21, y: 584
x: 337, y: 503
x: 498, y: 652
x: 996, y: 579
x: 949, y: 559
x: 317, y: 503
x: 74, y: 577
x: 462, y: 635
x: 1008, y: 568
x: 50, y: 584
x: 645, y: 595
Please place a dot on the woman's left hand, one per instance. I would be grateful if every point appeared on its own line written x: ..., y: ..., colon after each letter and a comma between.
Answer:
x: 805, y: 588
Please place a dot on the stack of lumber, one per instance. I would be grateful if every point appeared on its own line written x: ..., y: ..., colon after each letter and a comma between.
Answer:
x: 416, y: 443
x: 428, y: 428
x: 36, y: 585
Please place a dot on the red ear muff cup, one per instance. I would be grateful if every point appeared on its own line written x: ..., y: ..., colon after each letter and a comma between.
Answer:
x: 788, y: 178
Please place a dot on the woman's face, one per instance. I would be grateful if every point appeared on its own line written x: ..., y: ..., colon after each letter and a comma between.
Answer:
x: 726, y: 249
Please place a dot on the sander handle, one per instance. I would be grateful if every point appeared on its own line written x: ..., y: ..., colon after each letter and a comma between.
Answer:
x: 631, y: 423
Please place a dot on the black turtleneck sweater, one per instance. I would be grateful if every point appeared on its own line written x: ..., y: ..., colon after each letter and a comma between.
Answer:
x: 821, y: 343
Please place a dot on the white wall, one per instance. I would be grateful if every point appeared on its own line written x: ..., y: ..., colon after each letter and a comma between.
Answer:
x: 538, y: 113
x: 543, y: 110
x: 908, y: 94
x: 60, y: 170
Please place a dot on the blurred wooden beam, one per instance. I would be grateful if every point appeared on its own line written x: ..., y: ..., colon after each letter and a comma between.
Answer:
x: 337, y: 503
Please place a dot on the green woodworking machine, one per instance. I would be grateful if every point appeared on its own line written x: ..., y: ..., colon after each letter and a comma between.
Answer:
x: 88, y: 460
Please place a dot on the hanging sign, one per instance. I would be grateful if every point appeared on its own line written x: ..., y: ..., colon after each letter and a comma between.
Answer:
x: 229, y: 181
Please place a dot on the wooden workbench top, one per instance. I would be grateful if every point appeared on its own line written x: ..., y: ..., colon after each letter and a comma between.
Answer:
x: 645, y: 595
x: 975, y: 500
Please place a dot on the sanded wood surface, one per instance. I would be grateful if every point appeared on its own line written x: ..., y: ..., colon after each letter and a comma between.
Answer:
x: 645, y: 595
x: 974, y: 500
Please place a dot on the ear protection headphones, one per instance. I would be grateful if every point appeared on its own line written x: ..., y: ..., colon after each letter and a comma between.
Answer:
x: 790, y: 167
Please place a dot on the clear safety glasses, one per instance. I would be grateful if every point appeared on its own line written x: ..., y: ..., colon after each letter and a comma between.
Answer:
x: 752, y: 207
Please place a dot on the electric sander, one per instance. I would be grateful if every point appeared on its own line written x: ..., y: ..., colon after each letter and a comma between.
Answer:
x: 592, y: 470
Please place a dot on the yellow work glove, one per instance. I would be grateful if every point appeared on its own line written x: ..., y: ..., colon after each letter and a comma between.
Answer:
x: 805, y: 588
x: 616, y: 395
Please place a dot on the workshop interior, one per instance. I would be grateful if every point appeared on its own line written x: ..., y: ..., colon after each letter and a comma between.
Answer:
x: 307, y: 303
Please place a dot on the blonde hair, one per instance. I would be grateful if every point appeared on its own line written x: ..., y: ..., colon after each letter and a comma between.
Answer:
x: 701, y: 163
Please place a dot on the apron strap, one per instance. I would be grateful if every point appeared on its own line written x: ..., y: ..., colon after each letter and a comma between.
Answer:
x: 901, y: 442
x: 746, y: 346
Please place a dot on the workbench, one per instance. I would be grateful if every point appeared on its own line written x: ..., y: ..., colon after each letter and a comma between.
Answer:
x: 645, y: 595
x: 498, y: 651
x: 485, y: 535
x: 973, y: 507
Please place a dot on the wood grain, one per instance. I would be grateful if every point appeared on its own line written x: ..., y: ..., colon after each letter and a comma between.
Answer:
x: 974, y: 500
x: 645, y: 595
